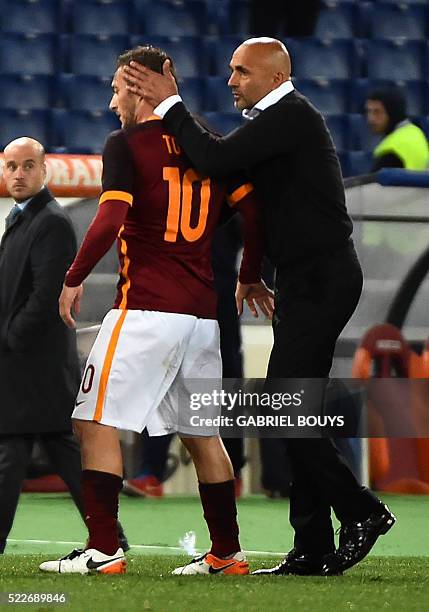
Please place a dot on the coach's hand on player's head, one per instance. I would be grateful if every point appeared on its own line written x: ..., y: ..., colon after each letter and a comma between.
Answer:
x: 150, y: 85
x: 70, y: 299
x: 256, y: 295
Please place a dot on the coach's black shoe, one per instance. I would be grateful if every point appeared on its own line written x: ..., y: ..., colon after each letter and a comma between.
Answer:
x: 297, y: 563
x: 357, y: 539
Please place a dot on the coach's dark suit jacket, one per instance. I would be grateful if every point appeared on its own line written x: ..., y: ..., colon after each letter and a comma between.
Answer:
x: 39, y: 368
x: 289, y: 156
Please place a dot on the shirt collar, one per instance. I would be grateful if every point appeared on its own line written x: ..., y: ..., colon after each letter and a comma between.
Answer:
x: 23, y: 204
x: 271, y: 98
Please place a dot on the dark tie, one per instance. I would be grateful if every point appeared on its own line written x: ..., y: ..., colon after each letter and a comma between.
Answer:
x: 12, y: 215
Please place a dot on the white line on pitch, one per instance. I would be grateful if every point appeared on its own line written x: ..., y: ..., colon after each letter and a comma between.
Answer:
x: 140, y: 546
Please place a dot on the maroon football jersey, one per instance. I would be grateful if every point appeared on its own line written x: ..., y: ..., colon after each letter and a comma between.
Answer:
x: 164, y: 245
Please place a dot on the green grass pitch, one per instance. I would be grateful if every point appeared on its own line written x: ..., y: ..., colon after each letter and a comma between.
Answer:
x: 394, y: 577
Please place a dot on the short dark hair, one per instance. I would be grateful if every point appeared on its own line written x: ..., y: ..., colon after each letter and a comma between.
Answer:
x: 151, y: 57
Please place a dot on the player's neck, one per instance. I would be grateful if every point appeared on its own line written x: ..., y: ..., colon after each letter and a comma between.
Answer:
x: 144, y: 112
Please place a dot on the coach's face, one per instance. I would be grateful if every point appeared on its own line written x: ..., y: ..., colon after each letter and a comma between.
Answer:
x: 123, y: 102
x: 253, y: 74
x: 24, y: 170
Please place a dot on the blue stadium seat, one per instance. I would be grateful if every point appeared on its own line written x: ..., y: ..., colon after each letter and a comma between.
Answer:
x: 83, y: 130
x: 187, y: 52
x: 396, y: 21
x: 17, y: 123
x: 95, y: 55
x: 314, y: 58
x: 85, y: 92
x: 25, y: 16
x: 193, y: 93
x: 423, y: 122
x: 218, y: 95
x: 329, y: 97
x: 25, y: 91
x: 29, y: 53
x: 359, y: 90
x: 406, y: 1
x: 172, y: 17
x: 221, y: 53
x: 338, y: 127
x: 415, y: 93
x: 344, y: 163
x: 219, y: 16
x: 224, y: 122
x: 395, y: 59
x: 357, y: 163
x: 337, y: 20
x: 239, y: 17
x: 361, y: 139
x: 103, y: 17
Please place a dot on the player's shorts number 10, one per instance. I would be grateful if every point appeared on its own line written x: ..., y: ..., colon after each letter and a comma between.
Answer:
x: 181, y: 191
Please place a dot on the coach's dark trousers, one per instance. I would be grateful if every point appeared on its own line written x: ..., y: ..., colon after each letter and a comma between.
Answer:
x: 313, y: 303
x: 15, y: 452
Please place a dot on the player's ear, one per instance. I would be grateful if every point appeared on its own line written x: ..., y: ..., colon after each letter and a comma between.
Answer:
x: 166, y: 67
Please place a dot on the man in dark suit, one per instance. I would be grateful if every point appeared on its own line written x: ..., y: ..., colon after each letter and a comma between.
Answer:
x: 39, y: 367
x: 288, y: 153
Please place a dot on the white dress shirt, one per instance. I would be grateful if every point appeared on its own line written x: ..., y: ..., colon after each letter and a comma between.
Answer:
x: 271, y: 98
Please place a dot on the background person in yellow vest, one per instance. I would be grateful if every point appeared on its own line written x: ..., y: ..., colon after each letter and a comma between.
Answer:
x: 404, y: 144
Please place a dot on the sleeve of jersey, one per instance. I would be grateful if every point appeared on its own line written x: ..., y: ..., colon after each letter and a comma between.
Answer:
x: 244, y: 200
x: 114, y: 203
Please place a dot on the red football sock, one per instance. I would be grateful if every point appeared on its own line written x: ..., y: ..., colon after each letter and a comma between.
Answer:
x: 220, y: 512
x: 100, y: 499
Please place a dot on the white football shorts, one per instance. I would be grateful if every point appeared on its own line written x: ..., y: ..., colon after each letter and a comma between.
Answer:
x: 143, y: 368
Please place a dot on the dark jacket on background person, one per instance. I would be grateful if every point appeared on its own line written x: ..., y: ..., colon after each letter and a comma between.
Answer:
x: 39, y: 368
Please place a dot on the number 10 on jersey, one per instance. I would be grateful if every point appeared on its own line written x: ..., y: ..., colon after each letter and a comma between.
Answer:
x: 180, y: 204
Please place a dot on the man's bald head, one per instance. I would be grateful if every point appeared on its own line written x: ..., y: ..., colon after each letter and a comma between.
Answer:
x: 258, y: 66
x: 28, y: 143
x: 271, y: 51
x: 24, y: 168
